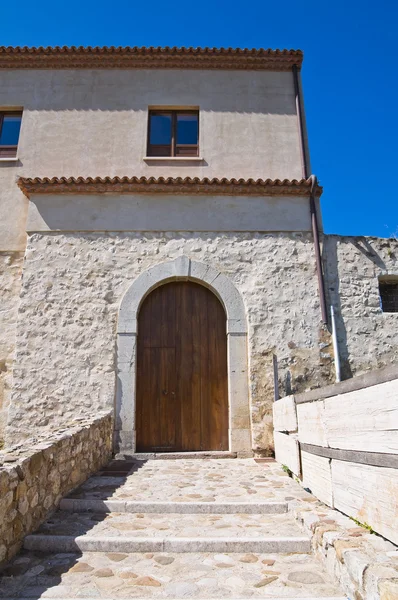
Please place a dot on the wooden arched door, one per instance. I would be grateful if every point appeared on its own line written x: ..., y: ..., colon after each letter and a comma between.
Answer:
x: 182, y: 395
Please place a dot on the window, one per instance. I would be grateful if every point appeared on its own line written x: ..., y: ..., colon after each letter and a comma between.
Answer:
x: 10, y: 124
x: 388, y: 289
x: 173, y: 133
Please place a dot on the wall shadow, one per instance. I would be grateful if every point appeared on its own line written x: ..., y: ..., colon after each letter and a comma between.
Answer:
x: 32, y: 573
x: 332, y: 290
x: 363, y: 245
x: 136, y: 89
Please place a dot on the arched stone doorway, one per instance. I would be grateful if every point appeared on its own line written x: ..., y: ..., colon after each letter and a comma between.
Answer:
x: 183, y: 269
x: 182, y: 389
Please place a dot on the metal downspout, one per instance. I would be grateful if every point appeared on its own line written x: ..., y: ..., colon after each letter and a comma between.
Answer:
x: 315, y: 233
x: 308, y: 176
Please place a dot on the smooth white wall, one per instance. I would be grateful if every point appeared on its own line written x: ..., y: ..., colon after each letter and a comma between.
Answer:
x: 94, y: 122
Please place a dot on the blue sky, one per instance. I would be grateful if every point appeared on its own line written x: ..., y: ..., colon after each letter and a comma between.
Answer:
x: 350, y: 76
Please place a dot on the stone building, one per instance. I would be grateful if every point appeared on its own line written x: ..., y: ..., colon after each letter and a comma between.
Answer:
x: 159, y: 246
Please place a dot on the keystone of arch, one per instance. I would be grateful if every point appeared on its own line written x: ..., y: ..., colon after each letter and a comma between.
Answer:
x: 182, y: 268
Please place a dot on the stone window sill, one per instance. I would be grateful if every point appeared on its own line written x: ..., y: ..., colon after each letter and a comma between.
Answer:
x: 173, y: 158
x: 9, y: 159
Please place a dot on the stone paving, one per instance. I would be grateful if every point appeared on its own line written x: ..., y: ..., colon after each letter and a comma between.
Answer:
x: 191, y: 575
x: 223, y: 480
x: 237, y: 574
x: 157, y: 525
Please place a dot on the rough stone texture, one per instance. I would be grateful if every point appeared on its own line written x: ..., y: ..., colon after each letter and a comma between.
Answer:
x: 367, y: 336
x: 72, y: 287
x: 231, y: 572
x: 10, y: 281
x: 36, y: 475
x: 361, y: 562
x: 201, y: 576
x: 73, y: 284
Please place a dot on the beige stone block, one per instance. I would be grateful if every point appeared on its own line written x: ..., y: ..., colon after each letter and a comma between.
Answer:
x: 365, y: 420
x: 388, y: 590
x: 367, y: 493
x: 287, y: 451
x: 285, y: 417
x: 311, y: 423
x: 342, y: 546
x: 240, y: 440
x: 317, y: 476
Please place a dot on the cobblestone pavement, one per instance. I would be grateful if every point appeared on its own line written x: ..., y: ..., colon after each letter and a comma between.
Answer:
x: 223, y: 480
x: 156, y: 525
x: 119, y: 575
x: 201, y: 574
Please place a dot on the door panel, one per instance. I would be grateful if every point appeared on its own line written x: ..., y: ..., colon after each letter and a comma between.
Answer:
x: 182, y: 396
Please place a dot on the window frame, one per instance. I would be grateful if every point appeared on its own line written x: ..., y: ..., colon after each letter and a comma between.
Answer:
x: 387, y: 303
x: 8, y: 151
x: 174, y: 147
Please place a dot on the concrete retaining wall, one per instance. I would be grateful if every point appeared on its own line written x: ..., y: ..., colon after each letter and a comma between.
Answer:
x: 347, y: 450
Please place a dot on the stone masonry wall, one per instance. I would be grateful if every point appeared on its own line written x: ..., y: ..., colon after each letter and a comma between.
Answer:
x: 72, y: 288
x: 34, y: 476
x: 367, y: 337
x: 10, y: 281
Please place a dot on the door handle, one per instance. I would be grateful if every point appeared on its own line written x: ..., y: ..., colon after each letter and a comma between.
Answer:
x: 165, y: 392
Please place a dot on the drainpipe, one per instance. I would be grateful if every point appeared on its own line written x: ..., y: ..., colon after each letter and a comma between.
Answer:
x: 305, y: 159
x: 317, y: 247
x: 308, y: 176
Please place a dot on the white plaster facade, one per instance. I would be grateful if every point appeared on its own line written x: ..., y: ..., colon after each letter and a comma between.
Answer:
x: 84, y: 253
x: 73, y: 285
x: 94, y: 123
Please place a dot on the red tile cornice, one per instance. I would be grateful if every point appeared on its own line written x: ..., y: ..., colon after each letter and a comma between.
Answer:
x: 79, y: 57
x: 169, y: 185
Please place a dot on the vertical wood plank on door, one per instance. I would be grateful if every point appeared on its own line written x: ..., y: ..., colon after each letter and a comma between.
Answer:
x: 195, y: 300
x: 167, y: 399
x: 205, y: 412
x: 182, y: 348
x: 217, y: 394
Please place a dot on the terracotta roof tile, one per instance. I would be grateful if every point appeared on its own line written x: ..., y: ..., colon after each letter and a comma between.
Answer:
x: 80, y: 57
x: 169, y: 185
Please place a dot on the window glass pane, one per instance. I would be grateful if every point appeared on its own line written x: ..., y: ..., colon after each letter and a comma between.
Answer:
x: 389, y: 296
x: 10, y: 130
x: 187, y: 129
x: 160, y: 129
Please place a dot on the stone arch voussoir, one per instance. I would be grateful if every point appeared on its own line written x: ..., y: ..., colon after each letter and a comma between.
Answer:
x: 183, y: 268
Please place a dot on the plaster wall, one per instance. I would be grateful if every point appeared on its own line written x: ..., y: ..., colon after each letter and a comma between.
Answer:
x: 72, y: 288
x: 94, y: 123
x: 106, y: 212
x: 367, y: 336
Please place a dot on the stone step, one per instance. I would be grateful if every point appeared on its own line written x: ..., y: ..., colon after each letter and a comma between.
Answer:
x: 131, y: 506
x: 65, y: 543
x: 175, y: 455
x: 191, y: 481
x: 154, y: 532
x: 165, y: 575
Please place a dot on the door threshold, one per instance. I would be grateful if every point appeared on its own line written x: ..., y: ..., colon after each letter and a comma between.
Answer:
x: 174, y: 455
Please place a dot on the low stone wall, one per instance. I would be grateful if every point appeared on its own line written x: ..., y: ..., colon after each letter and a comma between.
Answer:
x: 342, y: 441
x: 365, y: 565
x: 35, y: 475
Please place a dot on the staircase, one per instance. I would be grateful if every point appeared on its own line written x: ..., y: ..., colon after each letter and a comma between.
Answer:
x: 216, y: 528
